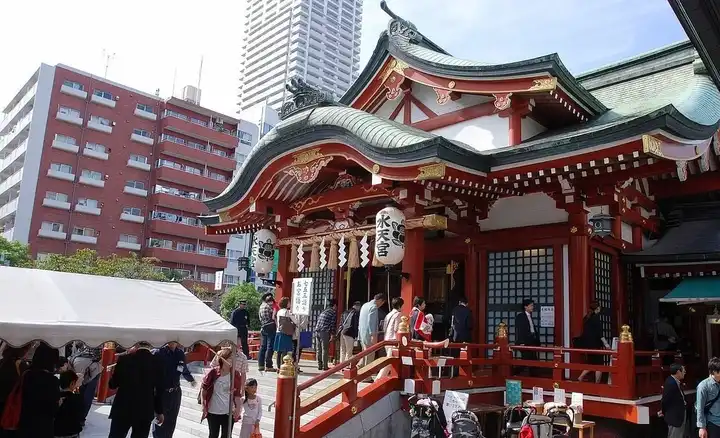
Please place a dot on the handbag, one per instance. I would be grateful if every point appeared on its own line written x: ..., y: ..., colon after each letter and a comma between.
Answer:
x: 256, y: 432
x: 287, y: 326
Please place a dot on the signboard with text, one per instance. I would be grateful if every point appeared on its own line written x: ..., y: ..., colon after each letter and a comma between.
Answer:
x: 301, y: 295
x: 454, y: 401
x: 219, y: 279
x: 547, y: 316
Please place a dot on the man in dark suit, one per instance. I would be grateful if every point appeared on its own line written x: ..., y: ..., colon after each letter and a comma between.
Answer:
x: 461, y: 322
x: 138, y: 378
x: 674, y: 406
x: 526, y: 332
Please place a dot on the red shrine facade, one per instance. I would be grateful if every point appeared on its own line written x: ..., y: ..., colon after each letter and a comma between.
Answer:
x: 516, y: 181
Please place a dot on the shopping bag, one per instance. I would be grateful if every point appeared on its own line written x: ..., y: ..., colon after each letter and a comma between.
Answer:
x: 256, y: 432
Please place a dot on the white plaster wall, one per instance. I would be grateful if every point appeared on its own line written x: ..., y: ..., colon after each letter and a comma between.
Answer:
x: 627, y: 234
x: 530, y: 128
x: 416, y: 114
x: 33, y: 155
x: 428, y: 96
x: 483, y: 134
x: 523, y: 211
x: 387, y: 108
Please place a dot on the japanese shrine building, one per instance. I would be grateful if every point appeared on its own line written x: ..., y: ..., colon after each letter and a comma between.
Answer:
x: 499, y: 170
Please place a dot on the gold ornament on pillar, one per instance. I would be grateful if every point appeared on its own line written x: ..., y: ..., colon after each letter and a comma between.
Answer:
x: 354, y: 253
x: 315, y: 257
x: 292, y: 265
x: 404, y: 326
x: 502, y: 331
x: 287, y: 369
x: 333, y: 257
x: 625, y: 334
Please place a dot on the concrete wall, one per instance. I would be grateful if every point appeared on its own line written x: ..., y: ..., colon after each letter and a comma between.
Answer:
x: 381, y: 420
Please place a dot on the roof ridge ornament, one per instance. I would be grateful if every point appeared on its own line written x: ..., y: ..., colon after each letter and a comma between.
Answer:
x: 400, y: 27
x: 303, y: 96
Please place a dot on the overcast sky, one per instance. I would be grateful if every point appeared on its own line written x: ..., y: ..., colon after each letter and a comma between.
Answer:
x: 151, y: 39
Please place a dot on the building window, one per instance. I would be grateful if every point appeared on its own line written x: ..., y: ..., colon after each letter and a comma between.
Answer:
x: 216, y: 176
x: 84, y: 231
x: 135, y: 185
x: 65, y: 139
x: 92, y: 203
x: 62, y: 168
x: 138, y: 158
x: 142, y: 132
x: 266, y: 128
x: 198, y: 122
x: 129, y: 238
x: 210, y: 251
x: 177, y: 192
x: 100, y: 120
x: 207, y: 277
x: 146, y: 108
x: 97, y: 176
x: 133, y: 211
x: 96, y: 147
x: 240, y: 158
x: 186, y: 247
x: 604, y: 290
x: 160, y: 243
x: 245, y: 137
x: 52, y: 226
x: 172, y: 138
x: 175, y: 114
x: 60, y: 197
x: 75, y: 85
x: 69, y: 111
x: 103, y: 94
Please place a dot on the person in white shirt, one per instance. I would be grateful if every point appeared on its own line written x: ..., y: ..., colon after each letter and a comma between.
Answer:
x: 250, y: 410
x: 391, y: 325
x: 287, y: 327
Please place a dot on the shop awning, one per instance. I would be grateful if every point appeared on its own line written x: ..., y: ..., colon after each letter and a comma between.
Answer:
x: 695, y: 290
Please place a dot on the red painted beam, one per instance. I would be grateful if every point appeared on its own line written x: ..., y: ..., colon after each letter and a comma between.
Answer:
x: 427, y: 111
x: 670, y: 188
x: 452, y: 118
x: 331, y: 198
x: 636, y: 196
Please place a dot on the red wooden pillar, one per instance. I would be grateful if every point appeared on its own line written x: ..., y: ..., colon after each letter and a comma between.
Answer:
x: 481, y: 315
x: 413, y: 264
x: 107, y: 359
x: 626, y: 364
x: 472, y: 293
x: 579, y: 271
x: 515, y: 129
x: 285, y: 397
x: 284, y: 276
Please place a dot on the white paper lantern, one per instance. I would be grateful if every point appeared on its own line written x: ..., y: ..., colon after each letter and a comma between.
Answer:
x: 263, y: 251
x: 390, y: 236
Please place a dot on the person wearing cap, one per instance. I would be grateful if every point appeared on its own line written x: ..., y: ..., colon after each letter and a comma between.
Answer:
x: 268, y: 328
x: 240, y: 319
x: 526, y: 332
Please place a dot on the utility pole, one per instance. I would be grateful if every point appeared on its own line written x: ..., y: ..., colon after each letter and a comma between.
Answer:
x: 108, y: 57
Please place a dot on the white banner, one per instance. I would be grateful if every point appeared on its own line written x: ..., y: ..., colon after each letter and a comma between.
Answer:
x: 454, y: 401
x: 547, y: 316
x: 301, y: 295
x: 219, y: 279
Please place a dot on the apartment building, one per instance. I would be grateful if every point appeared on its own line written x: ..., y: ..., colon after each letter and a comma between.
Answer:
x: 89, y: 163
x: 317, y: 40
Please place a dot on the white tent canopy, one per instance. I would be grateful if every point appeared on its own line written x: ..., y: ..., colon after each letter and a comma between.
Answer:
x: 59, y: 307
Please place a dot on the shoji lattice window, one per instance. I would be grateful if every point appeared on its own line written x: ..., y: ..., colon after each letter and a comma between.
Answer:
x: 322, y: 292
x: 514, y: 276
x: 603, y: 290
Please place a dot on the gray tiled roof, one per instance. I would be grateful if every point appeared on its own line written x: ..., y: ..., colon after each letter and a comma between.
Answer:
x: 432, y: 56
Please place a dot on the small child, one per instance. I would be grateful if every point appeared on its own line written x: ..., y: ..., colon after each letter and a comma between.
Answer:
x: 69, y: 417
x: 251, y: 410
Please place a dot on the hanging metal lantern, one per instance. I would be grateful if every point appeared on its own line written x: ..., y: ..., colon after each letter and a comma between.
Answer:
x: 601, y: 224
x: 263, y: 251
x: 389, y: 236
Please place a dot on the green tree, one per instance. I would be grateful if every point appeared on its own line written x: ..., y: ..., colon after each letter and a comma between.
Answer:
x: 14, y: 253
x: 86, y: 261
x: 237, y: 293
x: 200, y: 291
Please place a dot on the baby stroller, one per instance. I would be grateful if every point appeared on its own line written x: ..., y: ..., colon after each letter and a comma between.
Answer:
x: 557, y: 422
x: 513, y: 419
x: 465, y: 424
x: 427, y: 419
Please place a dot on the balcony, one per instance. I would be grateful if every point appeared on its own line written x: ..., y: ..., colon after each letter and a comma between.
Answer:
x: 80, y: 238
x: 136, y: 192
x: 138, y: 165
x: 73, y: 119
x: 127, y: 217
x: 61, y: 175
x: 184, y: 230
x: 53, y: 203
x: 8, y: 234
x: 9, y: 208
x: 64, y: 146
x: 186, y: 127
x: 71, y: 91
x: 50, y: 234
x: 142, y: 139
x: 145, y: 114
x: 91, y: 181
x: 190, y: 179
x: 187, y: 205
x: 92, y: 153
x: 11, y: 182
x: 102, y: 101
x: 86, y: 209
x: 128, y: 245
x: 197, y: 156
x: 187, y: 258
x: 97, y: 126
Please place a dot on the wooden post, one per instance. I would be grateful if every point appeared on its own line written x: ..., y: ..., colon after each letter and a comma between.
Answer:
x: 472, y: 294
x: 286, y: 397
x: 626, y: 364
x: 579, y: 261
x: 107, y: 359
x: 403, y: 338
x: 284, y: 277
x: 503, y: 354
x: 413, y: 263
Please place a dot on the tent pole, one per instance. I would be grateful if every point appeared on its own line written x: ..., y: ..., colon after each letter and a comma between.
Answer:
x: 233, y: 359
